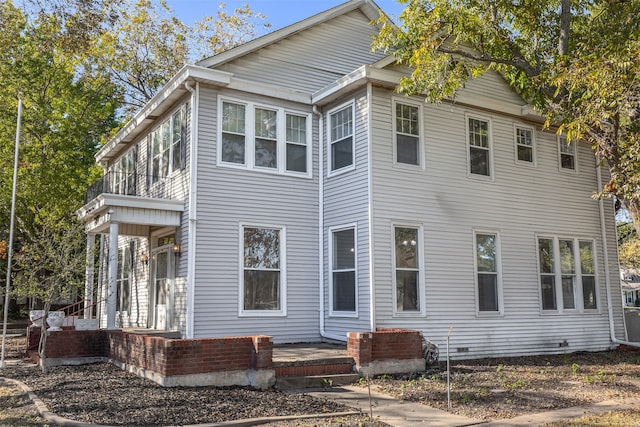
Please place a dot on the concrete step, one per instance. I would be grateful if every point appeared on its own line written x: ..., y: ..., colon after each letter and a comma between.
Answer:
x: 315, y: 381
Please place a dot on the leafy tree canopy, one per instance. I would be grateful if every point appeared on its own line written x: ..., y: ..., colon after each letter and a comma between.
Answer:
x: 577, y: 61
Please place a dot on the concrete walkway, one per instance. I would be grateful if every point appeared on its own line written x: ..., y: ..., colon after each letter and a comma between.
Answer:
x: 393, y: 411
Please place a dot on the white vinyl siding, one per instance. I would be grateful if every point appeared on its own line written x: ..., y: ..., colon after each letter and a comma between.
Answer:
x: 408, y: 268
x: 263, y: 280
x: 488, y: 272
x: 341, y: 141
x: 407, y: 134
x: 567, y: 274
x: 525, y: 145
x: 343, y: 279
x: 479, y: 143
x: 264, y: 138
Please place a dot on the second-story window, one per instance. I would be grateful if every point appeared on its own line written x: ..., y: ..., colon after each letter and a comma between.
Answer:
x: 567, y: 154
x: 341, y: 150
x: 264, y: 138
x: 479, y: 147
x: 524, y: 145
x: 167, y: 146
x: 407, y: 134
x: 123, y: 174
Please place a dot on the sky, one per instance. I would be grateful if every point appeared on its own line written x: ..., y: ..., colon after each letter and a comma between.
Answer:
x: 279, y: 13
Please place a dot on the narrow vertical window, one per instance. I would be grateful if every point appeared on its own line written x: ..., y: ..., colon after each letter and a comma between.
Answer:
x: 262, y: 269
x: 160, y: 149
x: 524, y: 144
x: 123, y: 280
x: 568, y: 273
x: 341, y: 138
x: 296, y: 143
x: 479, y: 147
x: 266, y: 142
x: 547, y: 274
x: 588, y: 275
x: 487, y: 273
x: 177, y: 140
x: 233, y: 133
x: 407, y: 134
x: 407, y: 266
x: 567, y: 154
x: 343, y: 270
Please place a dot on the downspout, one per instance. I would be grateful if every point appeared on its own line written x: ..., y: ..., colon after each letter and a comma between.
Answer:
x: 605, y: 257
x: 372, y: 296
x: 193, y: 186
x: 323, y: 332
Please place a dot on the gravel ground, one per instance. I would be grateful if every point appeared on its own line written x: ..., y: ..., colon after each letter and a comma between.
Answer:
x: 104, y: 394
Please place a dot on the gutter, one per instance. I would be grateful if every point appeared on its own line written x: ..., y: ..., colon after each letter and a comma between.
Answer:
x: 193, y: 186
x: 323, y: 332
x: 607, y: 279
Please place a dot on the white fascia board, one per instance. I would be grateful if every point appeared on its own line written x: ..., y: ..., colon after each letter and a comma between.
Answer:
x: 368, y: 7
x: 354, y: 79
x: 270, y: 90
x: 169, y: 91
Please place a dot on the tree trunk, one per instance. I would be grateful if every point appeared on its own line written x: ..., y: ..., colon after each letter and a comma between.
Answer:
x: 42, y: 347
x: 633, y: 209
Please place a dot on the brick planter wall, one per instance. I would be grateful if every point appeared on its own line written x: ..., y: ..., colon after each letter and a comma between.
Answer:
x: 169, y: 362
x: 386, y: 351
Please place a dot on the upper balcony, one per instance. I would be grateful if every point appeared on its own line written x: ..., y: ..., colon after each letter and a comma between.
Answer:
x: 135, y: 201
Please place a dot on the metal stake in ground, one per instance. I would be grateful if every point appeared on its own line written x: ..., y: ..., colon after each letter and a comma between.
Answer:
x: 448, y: 370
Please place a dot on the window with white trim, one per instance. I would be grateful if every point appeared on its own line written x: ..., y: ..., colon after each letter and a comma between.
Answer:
x: 343, y: 270
x: 123, y: 174
x: 488, y: 278
x: 479, y: 147
x: 167, y: 141
x: 524, y: 144
x: 264, y: 138
x: 123, y: 278
x: 567, y: 274
x: 408, y: 270
x: 567, y: 153
x: 341, y: 142
x: 262, y: 269
x: 407, y: 134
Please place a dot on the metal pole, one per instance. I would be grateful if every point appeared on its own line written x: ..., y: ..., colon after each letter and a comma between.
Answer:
x: 10, y: 248
x: 448, y: 370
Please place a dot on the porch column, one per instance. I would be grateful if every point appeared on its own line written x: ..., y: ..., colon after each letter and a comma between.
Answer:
x: 112, y: 274
x: 88, y: 278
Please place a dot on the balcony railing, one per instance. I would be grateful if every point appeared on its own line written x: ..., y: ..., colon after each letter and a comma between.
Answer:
x: 132, y: 184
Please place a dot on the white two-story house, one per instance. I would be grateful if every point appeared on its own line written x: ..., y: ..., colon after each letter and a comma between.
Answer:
x: 285, y: 188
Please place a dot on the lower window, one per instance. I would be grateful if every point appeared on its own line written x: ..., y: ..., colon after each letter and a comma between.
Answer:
x: 407, y: 270
x: 487, y: 272
x: 262, y: 274
x: 567, y: 274
x: 123, y: 280
x: 343, y: 270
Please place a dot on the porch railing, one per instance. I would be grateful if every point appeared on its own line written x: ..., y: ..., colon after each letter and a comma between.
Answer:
x: 132, y: 184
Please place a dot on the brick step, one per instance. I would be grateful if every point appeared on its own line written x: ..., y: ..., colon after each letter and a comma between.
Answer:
x: 314, y: 367
x: 315, y: 381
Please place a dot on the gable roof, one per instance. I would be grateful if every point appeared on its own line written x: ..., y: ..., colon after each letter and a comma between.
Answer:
x: 370, y: 9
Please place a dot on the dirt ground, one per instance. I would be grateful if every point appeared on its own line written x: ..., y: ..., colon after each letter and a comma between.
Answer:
x: 492, y: 389
x: 488, y: 389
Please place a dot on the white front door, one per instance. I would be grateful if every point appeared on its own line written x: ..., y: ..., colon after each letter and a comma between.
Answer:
x: 162, y: 289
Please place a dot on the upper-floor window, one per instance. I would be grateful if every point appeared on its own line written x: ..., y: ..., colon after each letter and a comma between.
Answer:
x: 567, y: 274
x: 167, y: 143
x: 407, y: 134
x: 408, y: 270
x: 343, y: 270
x: 122, y: 178
x: 265, y: 138
x: 567, y: 154
x: 262, y: 288
x: 479, y: 147
x: 341, y: 141
x: 524, y: 145
x: 488, y: 278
